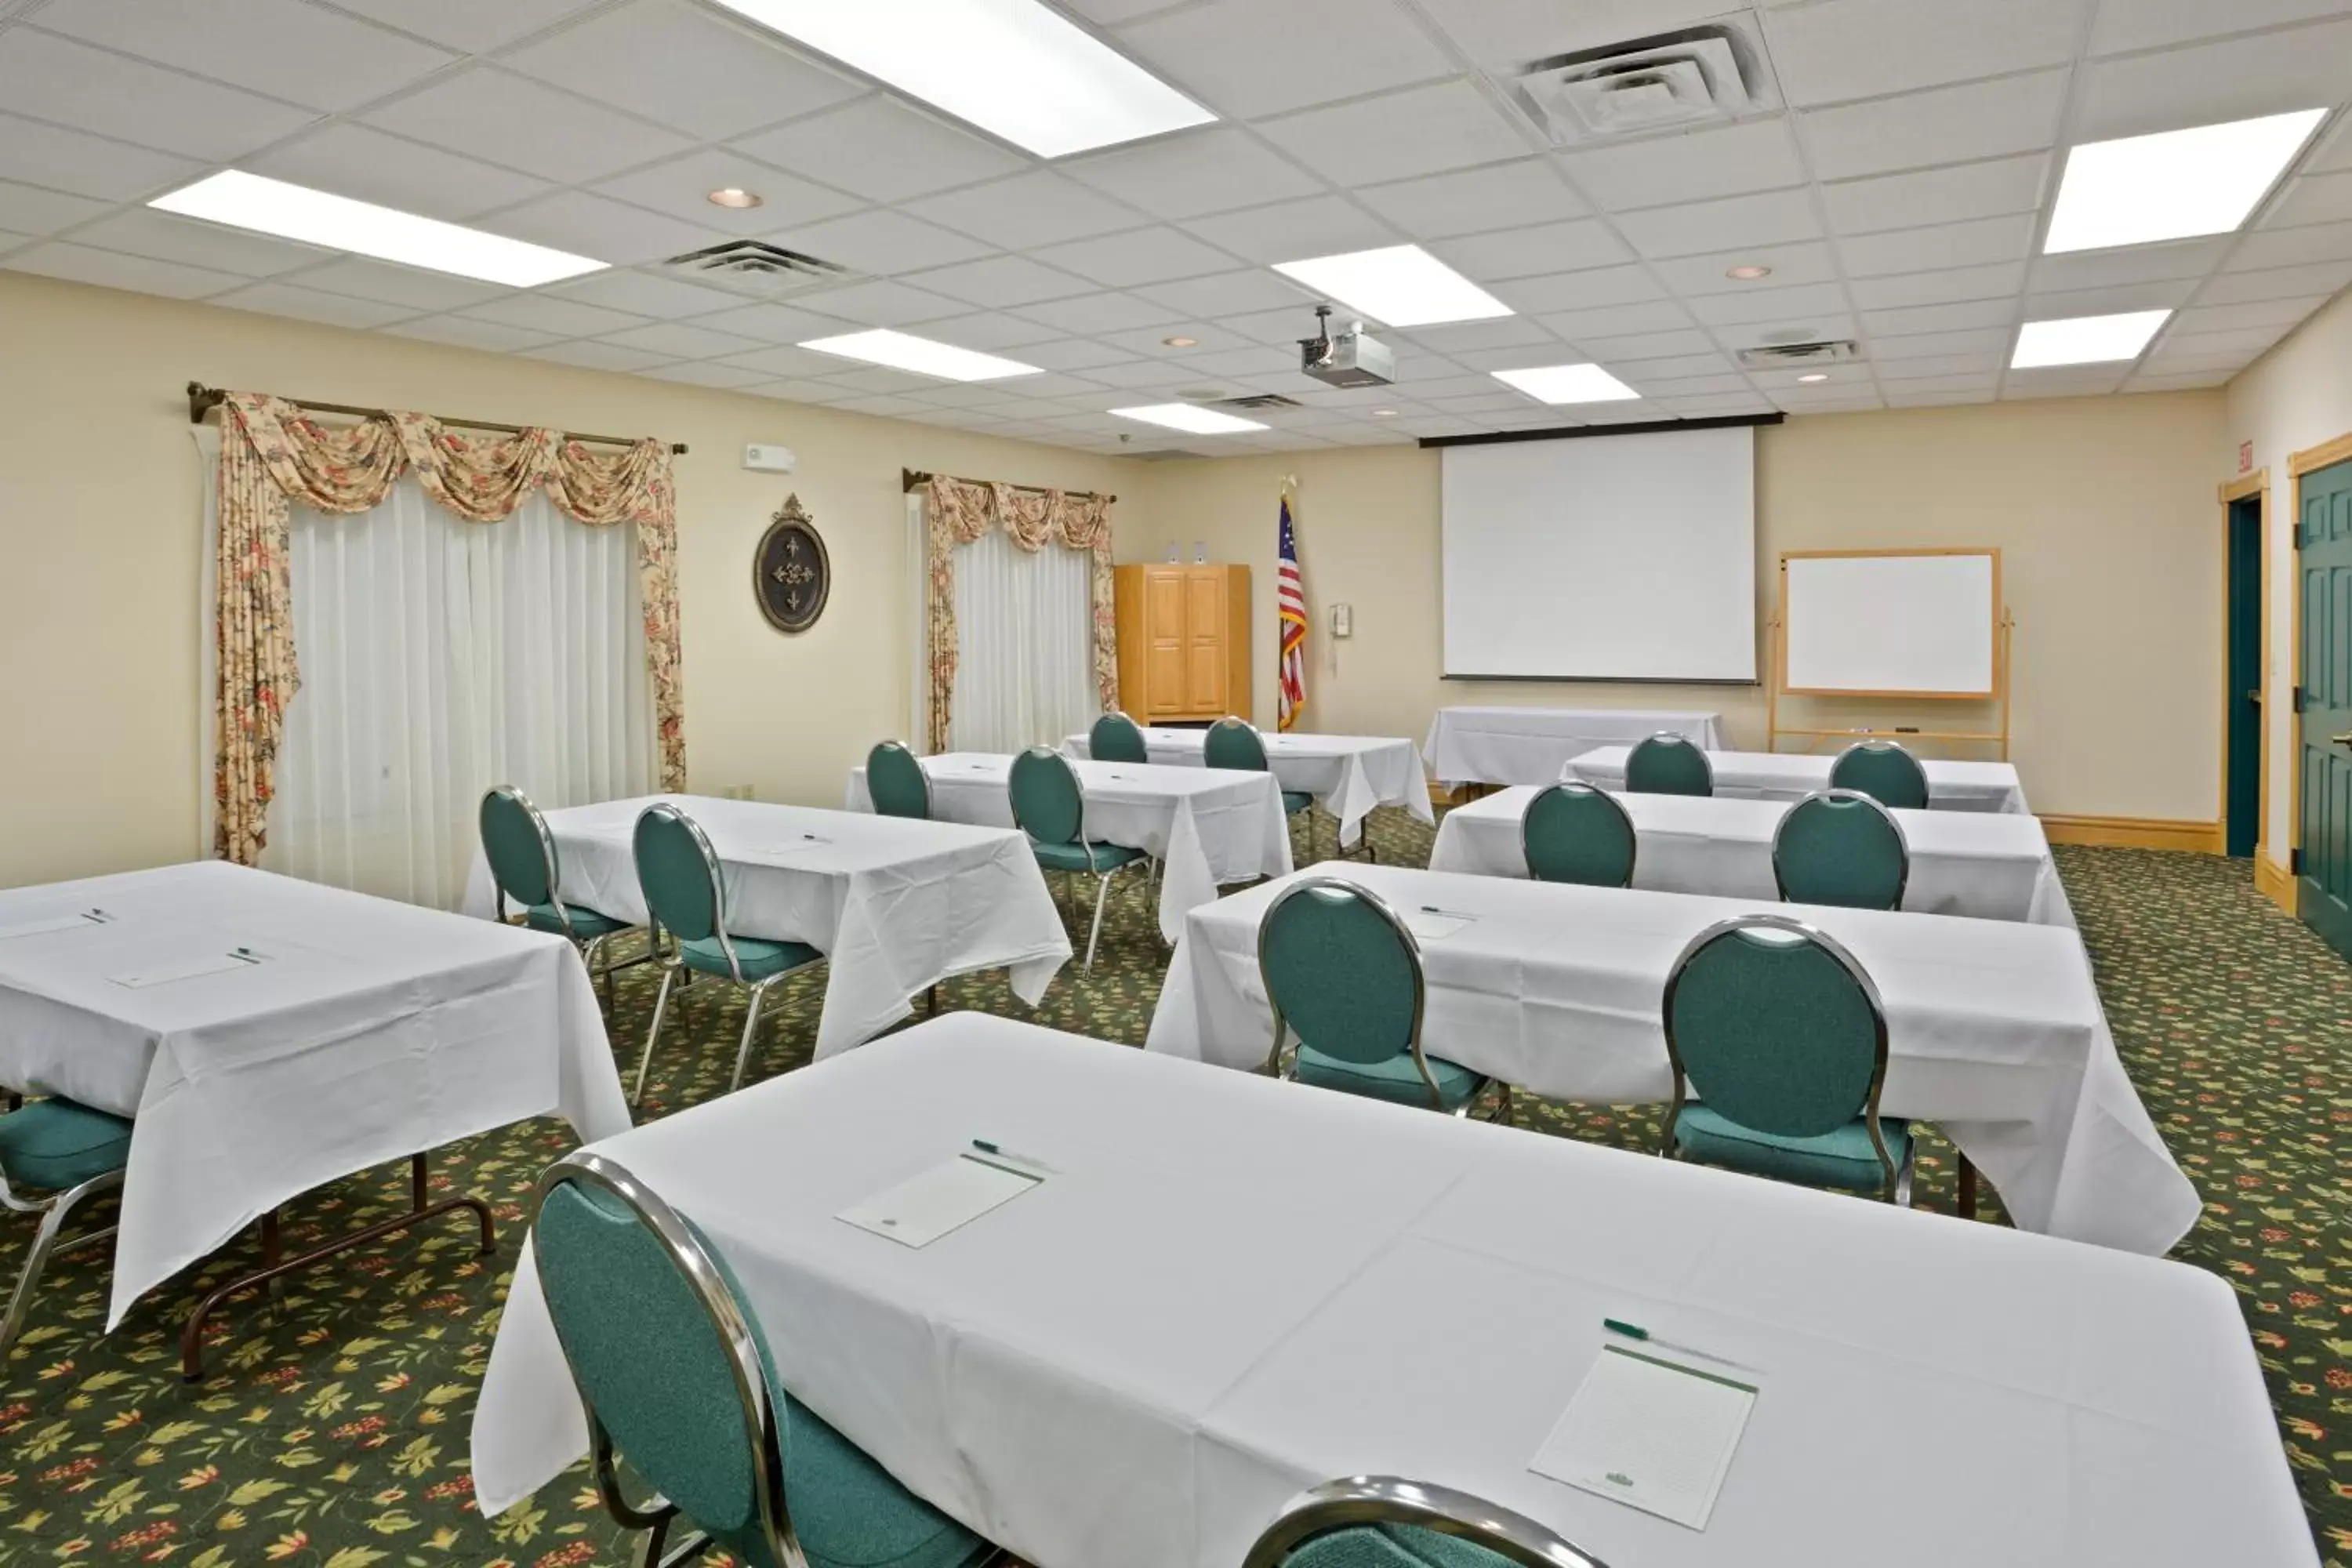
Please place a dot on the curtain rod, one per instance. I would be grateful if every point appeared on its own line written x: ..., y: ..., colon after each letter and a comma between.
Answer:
x: 202, y: 400
x: 911, y: 478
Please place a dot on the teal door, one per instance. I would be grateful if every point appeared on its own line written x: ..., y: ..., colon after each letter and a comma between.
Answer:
x: 2323, y: 872
x: 2244, y: 808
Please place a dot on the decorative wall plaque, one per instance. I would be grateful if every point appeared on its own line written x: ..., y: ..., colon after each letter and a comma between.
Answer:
x: 790, y: 572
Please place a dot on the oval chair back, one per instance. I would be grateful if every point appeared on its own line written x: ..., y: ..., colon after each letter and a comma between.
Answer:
x: 1669, y: 763
x: 1234, y: 744
x: 1883, y: 771
x: 1047, y: 803
x: 1387, y: 1521
x: 678, y: 872
x: 1575, y: 833
x: 1343, y: 973
x: 1116, y: 738
x: 520, y: 850
x: 895, y: 782
x: 1839, y: 846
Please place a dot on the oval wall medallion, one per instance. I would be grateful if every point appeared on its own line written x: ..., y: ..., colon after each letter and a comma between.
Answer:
x: 790, y: 572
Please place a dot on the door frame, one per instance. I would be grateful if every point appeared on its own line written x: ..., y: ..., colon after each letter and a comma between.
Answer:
x: 2311, y: 459
x: 2256, y: 487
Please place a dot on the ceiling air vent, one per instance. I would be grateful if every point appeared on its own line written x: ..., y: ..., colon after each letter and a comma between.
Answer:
x: 1668, y: 81
x: 1776, y: 356
x: 1259, y: 401
x: 751, y: 266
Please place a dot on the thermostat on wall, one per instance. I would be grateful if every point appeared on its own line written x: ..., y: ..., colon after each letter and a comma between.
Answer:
x: 769, y: 460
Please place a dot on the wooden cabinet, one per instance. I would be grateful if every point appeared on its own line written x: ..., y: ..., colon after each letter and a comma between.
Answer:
x: 1184, y: 642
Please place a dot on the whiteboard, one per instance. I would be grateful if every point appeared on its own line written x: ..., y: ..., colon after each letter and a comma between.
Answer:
x: 1902, y: 624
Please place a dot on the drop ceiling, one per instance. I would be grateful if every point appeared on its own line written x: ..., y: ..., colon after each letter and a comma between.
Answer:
x: 1898, y: 195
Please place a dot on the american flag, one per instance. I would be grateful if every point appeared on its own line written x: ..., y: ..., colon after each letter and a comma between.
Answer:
x: 1290, y: 608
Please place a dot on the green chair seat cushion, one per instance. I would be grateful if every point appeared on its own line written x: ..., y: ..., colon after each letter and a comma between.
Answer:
x: 850, y: 1512
x: 1295, y: 800
x: 585, y: 922
x: 758, y: 959
x: 1075, y: 857
x: 1840, y: 1158
x: 54, y: 1144
x: 1391, y: 1078
x: 1387, y: 1545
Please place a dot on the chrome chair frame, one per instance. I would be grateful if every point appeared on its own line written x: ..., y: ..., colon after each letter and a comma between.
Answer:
x: 1896, y: 1184
x: 53, y: 1210
x: 1669, y: 737
x: 1902, y: 839
x: 1266, y: 758
x: 1574, y: 786
x: 591, y: 948
x: 1102, y: 889
x: 1927, y: 790
x: 898, y: 746
x: 673, y: 961
x: 1392, y: 1500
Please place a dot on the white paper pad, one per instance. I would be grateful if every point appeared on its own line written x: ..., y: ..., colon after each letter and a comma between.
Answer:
x: 1428, y: 927
x: 1653, y: 1434
x: 35, y: 928
x: 217, y: 963
x: 923, y: 1208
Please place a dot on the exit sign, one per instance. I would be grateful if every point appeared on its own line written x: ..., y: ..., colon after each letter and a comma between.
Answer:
x: 2245, y: 456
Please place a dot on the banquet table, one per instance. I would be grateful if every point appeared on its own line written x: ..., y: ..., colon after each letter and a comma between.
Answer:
x: 355, y: 1030
x: 1206, y: 826
x: 894, y: 906
x: 1347, y: 774
x: 1792, y: 776
x: 1232, y: 1288
x: 1994, y: 1027
x: 1530, y: 745
x: 1990, y: 866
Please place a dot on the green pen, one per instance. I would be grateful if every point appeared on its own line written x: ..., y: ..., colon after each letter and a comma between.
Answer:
x: 1636, y: 1331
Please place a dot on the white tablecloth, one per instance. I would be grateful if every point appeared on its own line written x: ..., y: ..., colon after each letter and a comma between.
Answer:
x: 1991, y: 866
x: 1347, y: 774
x: 1530, y: 745
x: 1792, y: 776
x: 369, y: 1031
x: 1207, y: 826
x: 1994, y: 1026
x: 1234, y: 1288
x: 894, y: 906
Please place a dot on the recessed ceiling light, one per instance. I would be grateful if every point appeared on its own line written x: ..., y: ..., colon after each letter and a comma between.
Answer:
x: 903, y: 351
x: 2085, y: 340
x: 1185, y: 417
x: 1402, y: 285
x: 1816, y: 376
x: 1012, y: 68
x: 1568, y: 384
x: 1180, y: 342
x: 1747, y: 274
x: 338, y: 222
x: 733, y: 196
x: 2174, y: 184
x: 1385, y: 413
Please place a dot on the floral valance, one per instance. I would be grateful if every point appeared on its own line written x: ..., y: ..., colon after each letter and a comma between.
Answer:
x: 272, y: 456
x: 957, y: 511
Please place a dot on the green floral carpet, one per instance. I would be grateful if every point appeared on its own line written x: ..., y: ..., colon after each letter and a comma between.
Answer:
x: 333, y: 1430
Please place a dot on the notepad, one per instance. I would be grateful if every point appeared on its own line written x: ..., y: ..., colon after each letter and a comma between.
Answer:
x: 1651, y: 1433
x: 923, y: 1208
x: 1427, y: 925
x: 215, y: 963
x: 35, y: 928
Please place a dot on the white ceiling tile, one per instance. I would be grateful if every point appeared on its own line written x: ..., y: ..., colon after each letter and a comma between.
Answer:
x: 303, y: 54
x: 786, y: 362
x: 1228, y: 293
x: 2115, y: 299
x: 276, y: 298
x: 2000, y: 281
x: 391, y: 285
x: 989, y: 332
x: 2131, y: 264
x: 469, y: 26
x: 598, y: 356
x: 1616, y: 320
x: 1032, y: 209
x: 643, y: 294
x: 1805, y: 262
x: 1193, y: 173
x: 880, y: 303
x: 2313, y: 198
x: 1940, y: 318
x: 372, y: 165
x: 1944, y: 125
x: 463, y: 332
x: 685, y: 68
x: 2129, y: 25
x: 709, y: 373
x: 28, y: 209
x: 1324, y: 226
x: 1825, y: 400
x: 1469, y: 200
x: 1137, y: 257
x: 1461, y: 337
x: 680, y: 340
x: 1676, y: 387
x: 1934, y: 345
x: 1827, y: 326
x: 2270, y: 73
x: 1249, y: 362
x: 534, y: 128
x: 597, y: 227
x: 856, y: 377
x: 2234, y: 318
x: 1241, y: 59
x: 1843, y: 50
x: 1142, y: 373
x: 1001, y: 282
x: 1525, y: 252
x: 2247, y: 340
x: 882, y: 242
x: 774, y: 324
x: 681, y: 189
x: 2235, y: 288
x: 1770, y: 304
x: 1978, y: 243
x: 1688, y: 342
x: 2334, y: 149
x: 90, y: 90
x: 2062, y: 382
x: 2146, y: 382
x: 88, y: 165
x: 564, y: 318
x: 1100, y: 313
x: 1701, y: 407
x: 1946, y: 365
x: 1697, y: 165
x: 1951, y: 195
x: 882, y: 150
x: 142, y: 231
x: 2293, y: 247
x: 1074, y: 355
x: 1148, y: 339
x: 1768, y: 218
x: 1587, y: 290
x: 883, y: 405
x: 1980, y: 382
x: 1421, y: 130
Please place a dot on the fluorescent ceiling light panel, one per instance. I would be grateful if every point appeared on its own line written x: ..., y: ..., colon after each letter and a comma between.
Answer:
x: 903, y: 351
x: 1190, y: 418
x: 338, y: 222
x: 1568, y: 384
x: 1403, y: 286
x: 1012, y: 68
x: 2085, y: 340
x: 2175, y: 183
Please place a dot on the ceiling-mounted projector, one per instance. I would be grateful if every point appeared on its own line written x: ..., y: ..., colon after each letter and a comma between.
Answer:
x: 1350, y: 359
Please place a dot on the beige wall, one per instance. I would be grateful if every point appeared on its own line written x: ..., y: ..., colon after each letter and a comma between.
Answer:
x: 98, y: 510
x: 2102, y: 507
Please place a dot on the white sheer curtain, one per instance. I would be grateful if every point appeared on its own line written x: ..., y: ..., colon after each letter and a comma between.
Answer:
x: 439, y: 658
x: 1025, y: 645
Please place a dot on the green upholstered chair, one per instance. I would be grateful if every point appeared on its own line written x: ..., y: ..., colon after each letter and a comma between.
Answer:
x: 1049, y: 806
x: 684, y: 892
x: 1116, y: 738
x: 1839, y: 846
x: 1883, y: 771
x: 1234, y: 743
x: 675, y: 1376
x: 70, y: 1152
x: 1387, y: 1521
x: 524, y: 864
x: 897, y: 784
x: 1343, y: 973
x: 1669, y: 763
x: 1779, y: 1033
x: 1575, y: 833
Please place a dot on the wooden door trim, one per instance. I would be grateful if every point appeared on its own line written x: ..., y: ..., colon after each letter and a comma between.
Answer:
x: 2326, y: 455
x: 2255, y: 486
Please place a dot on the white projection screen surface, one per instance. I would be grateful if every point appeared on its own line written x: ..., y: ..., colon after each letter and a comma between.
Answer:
x: 1901, y: 623
x: 1602, y: 557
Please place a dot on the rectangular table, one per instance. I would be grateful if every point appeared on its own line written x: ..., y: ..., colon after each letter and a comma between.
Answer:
x: 894, y: 906
x: 1985, y: 864
x: 369, y: 1031
x: 1206, y: 826
x: 1792, y: 776
x: 1530, y: 745
x: 1995, y: 1029
x: 1347, y: 774
x: 1233, y: 1288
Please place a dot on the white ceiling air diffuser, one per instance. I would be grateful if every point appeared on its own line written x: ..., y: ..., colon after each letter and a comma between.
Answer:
x: 753, y: 266
x: 1782, y: 356
x: 1666, y: 81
